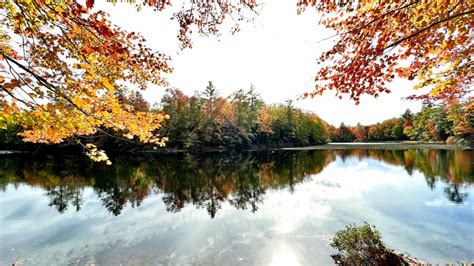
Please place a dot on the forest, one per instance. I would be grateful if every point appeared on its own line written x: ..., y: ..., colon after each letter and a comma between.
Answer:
x: 62, y: 72
x: 207, y: 120
x: 444, y: 122
x: 210, y: 121
x: 238, y: 121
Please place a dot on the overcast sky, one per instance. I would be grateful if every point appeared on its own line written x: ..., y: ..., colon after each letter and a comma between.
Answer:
x: 276, y: 52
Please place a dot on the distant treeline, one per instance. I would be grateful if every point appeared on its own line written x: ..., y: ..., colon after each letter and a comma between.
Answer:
x: 207, y: 120
x: 450, y: 122
x: 241, y: 120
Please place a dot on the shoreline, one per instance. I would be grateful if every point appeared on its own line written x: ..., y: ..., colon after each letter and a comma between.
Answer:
x: 382, y: 146
x: 403, y: 145
x: 389, y: 145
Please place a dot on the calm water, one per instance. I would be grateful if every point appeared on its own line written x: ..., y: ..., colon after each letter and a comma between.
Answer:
x: 275, y: 208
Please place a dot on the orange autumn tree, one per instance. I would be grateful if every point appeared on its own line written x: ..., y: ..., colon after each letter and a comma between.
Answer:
x: 61, y: 68
x: 431, y: 41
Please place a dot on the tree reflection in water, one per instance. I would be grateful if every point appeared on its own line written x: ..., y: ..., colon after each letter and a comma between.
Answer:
x: 208, y: 180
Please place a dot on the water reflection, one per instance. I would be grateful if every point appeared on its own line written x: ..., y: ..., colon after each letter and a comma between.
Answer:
x: 206, y: 181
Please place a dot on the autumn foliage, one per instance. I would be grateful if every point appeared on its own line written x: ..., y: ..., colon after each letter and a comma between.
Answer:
x: 65, y: 69
x: 241, y: 120
x: 452, y: 122
x: 62, y: 77
x: 376, y: 41
x: 205, y: 17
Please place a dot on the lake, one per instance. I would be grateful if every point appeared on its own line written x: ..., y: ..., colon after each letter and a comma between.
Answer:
x: 250, y: 208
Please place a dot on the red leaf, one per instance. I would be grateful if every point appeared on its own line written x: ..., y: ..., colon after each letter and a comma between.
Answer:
x: 90, y: 4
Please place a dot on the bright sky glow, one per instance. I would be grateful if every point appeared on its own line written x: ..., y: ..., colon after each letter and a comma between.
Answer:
x: 277, y: 53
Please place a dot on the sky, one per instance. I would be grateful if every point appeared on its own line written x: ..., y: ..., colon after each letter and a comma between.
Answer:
x: 276, y: 52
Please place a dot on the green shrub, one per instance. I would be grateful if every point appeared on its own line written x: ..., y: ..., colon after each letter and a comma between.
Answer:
x: 358, y: 245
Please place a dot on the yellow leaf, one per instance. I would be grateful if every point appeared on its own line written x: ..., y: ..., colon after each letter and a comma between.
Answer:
x: 92, y: 59
x: 107, y: 84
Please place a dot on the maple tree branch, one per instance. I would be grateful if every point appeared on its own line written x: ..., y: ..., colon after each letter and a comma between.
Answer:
x: 35, y: 103
x: 16, y: 98
x: 17, y: 76
x: 372, y: 21
x: 78, y: 21
x: 251, y: 8
x: 385, y: 14
x: 427, y: 28
x: 45, y: 83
